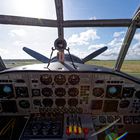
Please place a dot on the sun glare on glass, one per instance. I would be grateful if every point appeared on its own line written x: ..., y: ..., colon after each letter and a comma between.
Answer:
x: 33, y: 8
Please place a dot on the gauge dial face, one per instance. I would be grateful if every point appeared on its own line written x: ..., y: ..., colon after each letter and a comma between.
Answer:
x: 47, y: 102
x: 60, y: 92
x: 24, y: 104
x: 6, y: 90
x: 124, y: 103
x: 21, y: 91
x: 97, y: 92
x: 113, y: 91
x: 128, y: 92
x: 60, y: 79
x: 35, y: 92
x: 47, y: 92
x: 74, y: 79
x: 73, y: 92
x: 73, y: 102
x: 60, y: 102
x: 37, y: 102
x: 46, y: 79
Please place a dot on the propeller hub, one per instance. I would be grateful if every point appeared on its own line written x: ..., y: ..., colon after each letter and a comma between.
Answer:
x: 60, y: 44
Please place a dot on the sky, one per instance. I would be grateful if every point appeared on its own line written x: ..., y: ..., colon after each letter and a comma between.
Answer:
x: 81, y: 41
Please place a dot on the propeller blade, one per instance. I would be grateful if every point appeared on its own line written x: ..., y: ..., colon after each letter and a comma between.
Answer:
x: 36, y: 55
x: 94, y: 54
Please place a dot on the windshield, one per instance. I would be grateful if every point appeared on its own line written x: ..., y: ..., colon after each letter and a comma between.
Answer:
x: 131, y: 64
x: 81, y: 41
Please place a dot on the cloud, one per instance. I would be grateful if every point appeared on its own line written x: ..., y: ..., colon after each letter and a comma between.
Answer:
x: 83, y: 38
x: 96, y: 46
x: 93, y: 18
x: 86, y: 38
x: 118, y: 34
x: 3, y: 51
x: 134, y: 50
x: 116, y: 42
x: 113, y: 45
x: 15, y: 38
x: 17, y: 32
x: 137, y: 37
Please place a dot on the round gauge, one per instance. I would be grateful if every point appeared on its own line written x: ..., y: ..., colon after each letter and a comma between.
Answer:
x: 60, y: 92
x: 114, y: 91
x: 21, y: 91
x: 128, y: 92
x: 73, y: 79
x: 6, y: 90
x: 46, y: 79
x: 24, y: 104
x: 98, y: 92
x: 124, y: 104
x: 37, y: 102
x: 47, y: 92
x: 73, y: 92
x: 47, y: 102
x: 60, y: 102
x: 35, y: 92
x: 72, y: 102
x: 60, y: 79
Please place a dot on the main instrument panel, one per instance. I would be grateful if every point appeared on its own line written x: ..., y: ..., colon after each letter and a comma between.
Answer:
x: 105, y: 96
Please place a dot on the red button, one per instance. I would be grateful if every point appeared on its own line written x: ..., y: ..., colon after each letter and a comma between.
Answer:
x: 67, y: 131
x: 85, y: 130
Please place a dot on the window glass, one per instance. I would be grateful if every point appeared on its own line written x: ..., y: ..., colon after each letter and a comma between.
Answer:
x: 131, y: 64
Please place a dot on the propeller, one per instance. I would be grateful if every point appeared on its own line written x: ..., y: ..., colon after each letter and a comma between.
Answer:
x: 94, y: 54
x: 36, y: 55
x: 44, y: 59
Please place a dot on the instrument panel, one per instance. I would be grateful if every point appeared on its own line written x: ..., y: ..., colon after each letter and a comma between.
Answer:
x: 105, y: 96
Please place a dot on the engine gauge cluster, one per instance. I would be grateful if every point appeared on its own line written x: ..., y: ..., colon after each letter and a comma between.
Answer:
x: 60, y: 79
